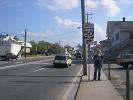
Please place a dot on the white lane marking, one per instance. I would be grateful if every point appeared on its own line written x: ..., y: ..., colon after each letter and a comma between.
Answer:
x: 18, y: 65
x: 42, y: 63
x: 67, y: 93
x: 38, y: 70
x: 2, y: 62
x: 19, y: 62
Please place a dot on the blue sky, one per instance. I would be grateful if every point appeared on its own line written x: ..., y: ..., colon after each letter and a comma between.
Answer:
x: 54, y: 20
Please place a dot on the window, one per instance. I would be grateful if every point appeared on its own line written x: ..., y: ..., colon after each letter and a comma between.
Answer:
x: 117, y: 36
x: 60, y: 57
x: 112, y: 39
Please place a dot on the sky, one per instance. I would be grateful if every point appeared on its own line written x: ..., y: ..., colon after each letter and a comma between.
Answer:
x: 54, y: 20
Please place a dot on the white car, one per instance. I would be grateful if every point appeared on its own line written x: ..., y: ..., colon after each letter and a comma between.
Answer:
x: 63, y: 60
x: 125, y: 58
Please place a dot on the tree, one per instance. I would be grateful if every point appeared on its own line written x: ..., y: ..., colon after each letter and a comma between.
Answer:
x: 42, y: 47
x: 34, y: 47
x: 56, y: 48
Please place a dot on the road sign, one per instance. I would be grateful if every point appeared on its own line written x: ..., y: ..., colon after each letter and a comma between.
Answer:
x: 89, y: 33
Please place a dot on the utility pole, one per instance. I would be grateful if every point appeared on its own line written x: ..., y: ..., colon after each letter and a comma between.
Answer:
x: 59, y: 47
x: 83, y: 40
x: 87, y: 15
x: 25, y: 43
x: 59, y: 42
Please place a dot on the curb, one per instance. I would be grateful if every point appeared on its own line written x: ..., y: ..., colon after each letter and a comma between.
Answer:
x: 78, y: 88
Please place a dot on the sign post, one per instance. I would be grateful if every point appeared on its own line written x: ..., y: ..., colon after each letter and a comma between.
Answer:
x: 89, y: 39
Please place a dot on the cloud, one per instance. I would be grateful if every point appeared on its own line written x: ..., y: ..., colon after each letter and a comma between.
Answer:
x: 99, y: 31
x: 67, y: 23
x: 91, y: 4
x: 59, y: 4
x: 111, y: 7
x: 70, y: 25
x: 48, y: 33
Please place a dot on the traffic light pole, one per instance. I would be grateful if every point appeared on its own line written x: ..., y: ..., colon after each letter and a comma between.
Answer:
x: 83, y: 40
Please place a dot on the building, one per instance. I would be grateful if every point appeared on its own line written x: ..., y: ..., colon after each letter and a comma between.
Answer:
x: 9, y: 44
x: 120, y: 34
x: 105, y: 44
x: 28, y: 46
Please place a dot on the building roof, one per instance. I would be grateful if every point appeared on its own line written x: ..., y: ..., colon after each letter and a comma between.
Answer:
x: 12, y: 40
x: 123, y: 26
x: 28, y: 45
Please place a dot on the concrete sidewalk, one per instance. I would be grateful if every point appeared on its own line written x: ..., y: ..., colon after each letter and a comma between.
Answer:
x: 97, y: 90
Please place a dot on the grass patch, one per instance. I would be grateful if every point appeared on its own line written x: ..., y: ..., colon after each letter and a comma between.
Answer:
x: 113, y: 78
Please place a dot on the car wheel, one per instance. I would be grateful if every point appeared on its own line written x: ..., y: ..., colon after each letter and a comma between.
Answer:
x: 70, y: 64
x: 67, y: 65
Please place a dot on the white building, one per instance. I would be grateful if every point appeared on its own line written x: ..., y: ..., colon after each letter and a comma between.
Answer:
x: 9, y: 45
x: 120, y: 33
x: 28, y: 46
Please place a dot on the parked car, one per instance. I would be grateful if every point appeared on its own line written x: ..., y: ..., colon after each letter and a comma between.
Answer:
x: 123, y: 59
x: 62, y: 60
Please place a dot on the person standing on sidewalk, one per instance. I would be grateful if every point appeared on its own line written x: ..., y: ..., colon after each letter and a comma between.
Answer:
x: 98, y: 60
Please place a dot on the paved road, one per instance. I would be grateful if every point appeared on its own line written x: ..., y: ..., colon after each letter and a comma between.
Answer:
x: 119, y: 79
x: 38, y: 79
x: 21, y: 61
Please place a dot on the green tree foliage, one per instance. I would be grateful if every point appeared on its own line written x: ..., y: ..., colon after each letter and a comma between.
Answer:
x: 43, y: 47
x: 34, y: 47
x: 56, y: 48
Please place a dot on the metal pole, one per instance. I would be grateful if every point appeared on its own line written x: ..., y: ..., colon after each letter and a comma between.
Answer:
x: 83, y: 40
x: 89, y: 62
x: 59, y: 42
x: 25, y: 43
x: 59, y: 47
x: 127, y: 85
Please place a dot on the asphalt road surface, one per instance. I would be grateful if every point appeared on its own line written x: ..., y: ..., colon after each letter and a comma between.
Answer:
x: 38, y: 79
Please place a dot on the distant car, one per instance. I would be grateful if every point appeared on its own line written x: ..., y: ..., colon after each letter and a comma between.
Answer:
x: 122, y: 59
x: 78, y: 55
x: 62, y: 60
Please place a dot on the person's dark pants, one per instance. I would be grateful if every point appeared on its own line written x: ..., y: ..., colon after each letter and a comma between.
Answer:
x: 97, y: 68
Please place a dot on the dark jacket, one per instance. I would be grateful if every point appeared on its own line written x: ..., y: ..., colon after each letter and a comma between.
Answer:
x: 98, y: 60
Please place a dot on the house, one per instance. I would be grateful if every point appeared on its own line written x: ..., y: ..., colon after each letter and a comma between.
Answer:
x: 9, y: 44
x: 28, y: 46
x: 120, y: 34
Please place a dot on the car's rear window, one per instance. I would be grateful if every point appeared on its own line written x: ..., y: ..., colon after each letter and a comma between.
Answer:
x: 60, y: 57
